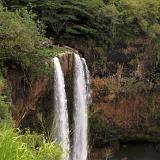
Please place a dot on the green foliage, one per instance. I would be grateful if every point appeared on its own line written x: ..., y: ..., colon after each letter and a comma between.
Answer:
x: 4, y: 101
x: 130, y: 18
x: 92, y: 24
x: 19, y: 34
x: 19, y: 37
x: 15, y: 147
x: 22, y: 41
x: 4, y: 109
x: 49, y: 151
x: 106, y: 24
x: 52, y: 52
x: 12, y: 148
x: 68, y: 18
x: 102, y: 131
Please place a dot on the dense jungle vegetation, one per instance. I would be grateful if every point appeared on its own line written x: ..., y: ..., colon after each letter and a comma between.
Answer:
x: 111, y: 34
x: 97, y: 26
x: 107, y: 29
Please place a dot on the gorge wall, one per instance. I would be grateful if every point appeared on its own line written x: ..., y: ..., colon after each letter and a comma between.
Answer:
x: 32, y: 97
x: 123, y: 116
x: 123, y: 108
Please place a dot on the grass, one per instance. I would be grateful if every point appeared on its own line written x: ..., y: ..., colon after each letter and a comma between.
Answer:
x: 55, y: 51
x: 14, y: 146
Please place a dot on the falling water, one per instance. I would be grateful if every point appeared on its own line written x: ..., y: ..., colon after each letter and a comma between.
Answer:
x: 80, y: 112
x: 60, y: 111
x: 88, y: 82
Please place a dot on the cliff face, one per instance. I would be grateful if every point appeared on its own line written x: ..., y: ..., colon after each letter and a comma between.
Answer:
x: 124, y: 113
x: 124, y: 108
x: 24, y: 94
x: 31, y: 97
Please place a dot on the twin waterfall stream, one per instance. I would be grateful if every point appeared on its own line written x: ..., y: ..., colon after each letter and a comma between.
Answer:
x: 77, y: 150
x: 60, y: 110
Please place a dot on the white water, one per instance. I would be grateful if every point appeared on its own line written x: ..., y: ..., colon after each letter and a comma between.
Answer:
x: 80, y: 112
x: 60, y: 110
x: 88, y: 82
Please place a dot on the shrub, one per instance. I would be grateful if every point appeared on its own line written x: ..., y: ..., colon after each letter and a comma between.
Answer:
x: 19, y: 35
x: 4, y: 101
x: 15, y: 147
x: 22, y: 40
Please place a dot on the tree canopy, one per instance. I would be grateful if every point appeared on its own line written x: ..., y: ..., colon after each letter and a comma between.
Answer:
x: 97, y: 26
x: 20, y: 37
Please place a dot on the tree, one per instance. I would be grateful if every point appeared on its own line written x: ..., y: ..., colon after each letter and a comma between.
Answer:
x: 130, y: 19
x: 68, y: 18
x: 20, y: 38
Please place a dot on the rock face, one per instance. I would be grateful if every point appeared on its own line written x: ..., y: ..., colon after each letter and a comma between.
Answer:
x: 122, y: 115
x: 67, y: 63
x: 24, y: 94
x: 117, y: 114
x: 32, y: 98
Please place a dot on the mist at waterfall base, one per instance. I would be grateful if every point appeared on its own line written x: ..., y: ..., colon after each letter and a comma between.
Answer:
x: 81, y: 98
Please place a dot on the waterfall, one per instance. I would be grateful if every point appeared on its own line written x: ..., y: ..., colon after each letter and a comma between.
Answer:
x: 82, y: 99
x: 80, y: 112
x: 88, y: 82
x: 60, y: 110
